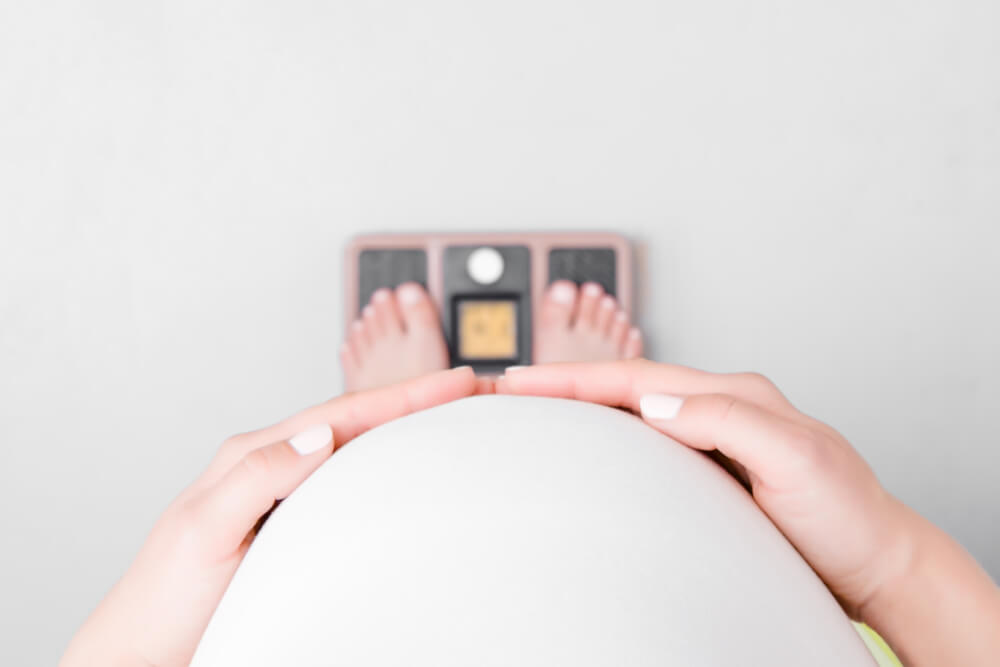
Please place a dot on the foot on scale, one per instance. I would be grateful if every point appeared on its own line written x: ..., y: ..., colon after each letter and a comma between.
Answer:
x: 399, y: 335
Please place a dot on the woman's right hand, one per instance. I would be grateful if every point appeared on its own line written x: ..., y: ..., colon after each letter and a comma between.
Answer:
x: 886, y: 565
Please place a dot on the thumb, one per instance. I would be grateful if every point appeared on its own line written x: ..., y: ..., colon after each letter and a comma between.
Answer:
x: 229, y: 509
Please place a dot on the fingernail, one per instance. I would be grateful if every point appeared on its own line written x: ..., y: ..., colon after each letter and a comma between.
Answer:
x: 381, y: 294
x: 562, y: 293
x: 660, y: 406
x: 608, y: 303
x: 312, y: 439
x: 513, y: 369
x: 591, y: 289
x: 409, y: 294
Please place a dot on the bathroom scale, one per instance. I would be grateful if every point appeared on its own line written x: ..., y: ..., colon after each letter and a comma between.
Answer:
x: 487, y: 287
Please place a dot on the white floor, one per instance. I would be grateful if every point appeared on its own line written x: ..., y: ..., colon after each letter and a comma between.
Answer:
x: 813, y: 187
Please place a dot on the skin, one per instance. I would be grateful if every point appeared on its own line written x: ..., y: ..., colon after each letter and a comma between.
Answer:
x: 888, y: 567
x: 399, y: 335
x: 157, y: 612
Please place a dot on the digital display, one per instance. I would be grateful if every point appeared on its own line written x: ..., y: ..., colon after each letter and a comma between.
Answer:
x: 487, y: 329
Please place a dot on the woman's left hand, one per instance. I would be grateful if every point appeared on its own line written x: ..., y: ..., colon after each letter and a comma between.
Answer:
x: 157, y: 612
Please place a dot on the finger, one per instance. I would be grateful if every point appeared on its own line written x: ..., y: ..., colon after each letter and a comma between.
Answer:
x: 228, y: 510
x: 352, y: 414
x: 484, y: 385
x: 623, y: 383
x: 774, y: 450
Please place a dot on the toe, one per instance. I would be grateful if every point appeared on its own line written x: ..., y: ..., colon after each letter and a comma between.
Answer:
x: 358, y: 340
x: 633, y: 344
x: 558, y: 304
x: 586, y: 314
x: 387, y: 311
x: 605, y: 314
x: 372, y: 325
x: 416, y: 307
x: 348, y: 360
x: 619, y: 329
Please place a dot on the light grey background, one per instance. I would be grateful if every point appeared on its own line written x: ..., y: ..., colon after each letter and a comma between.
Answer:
x: 814, y: 187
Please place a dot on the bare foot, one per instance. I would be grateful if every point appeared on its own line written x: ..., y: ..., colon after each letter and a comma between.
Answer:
x: 583, y: 324
x: 398, y: 336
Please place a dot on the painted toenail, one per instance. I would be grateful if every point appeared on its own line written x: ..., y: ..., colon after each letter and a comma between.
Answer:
x: 381, y: 294
x: 410, y: 294
x: 562, y: 293
x: 592, y: 289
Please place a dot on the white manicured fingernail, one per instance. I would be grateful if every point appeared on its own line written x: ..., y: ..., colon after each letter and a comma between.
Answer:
x: 312, y: 439
x: 592, y: 289
x: 513, y: 369
x: 381, y: 294
x: 562, y: 293
x: 660, y: 406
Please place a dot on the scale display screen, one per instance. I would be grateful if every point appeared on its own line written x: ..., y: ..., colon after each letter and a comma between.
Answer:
x: 487, y: 329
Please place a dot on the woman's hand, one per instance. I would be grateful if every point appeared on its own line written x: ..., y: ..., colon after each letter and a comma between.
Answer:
x: 886, y: 565
x: 158, y: 611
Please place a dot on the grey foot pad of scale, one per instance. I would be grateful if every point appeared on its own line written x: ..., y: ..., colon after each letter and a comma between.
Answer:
x: 581, y: 265
x: 389, y: 268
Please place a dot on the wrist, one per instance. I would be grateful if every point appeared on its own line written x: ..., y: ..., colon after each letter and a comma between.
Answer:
x: 106, y: 638
x: 936, y: 605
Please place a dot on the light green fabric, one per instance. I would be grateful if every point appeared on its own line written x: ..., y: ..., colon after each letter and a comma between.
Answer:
x: 883, y: 654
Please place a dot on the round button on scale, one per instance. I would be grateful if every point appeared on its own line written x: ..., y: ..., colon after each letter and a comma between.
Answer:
x: 485, y: 265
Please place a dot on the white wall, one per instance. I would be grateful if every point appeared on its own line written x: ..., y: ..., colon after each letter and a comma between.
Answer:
x: 813, y: 186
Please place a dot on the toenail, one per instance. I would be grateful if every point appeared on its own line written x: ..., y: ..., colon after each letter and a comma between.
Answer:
x: 410, y: 294
x: 591, y: 289
x: 562, y: 293
x: 607, y: 303
x: 381, y: 294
